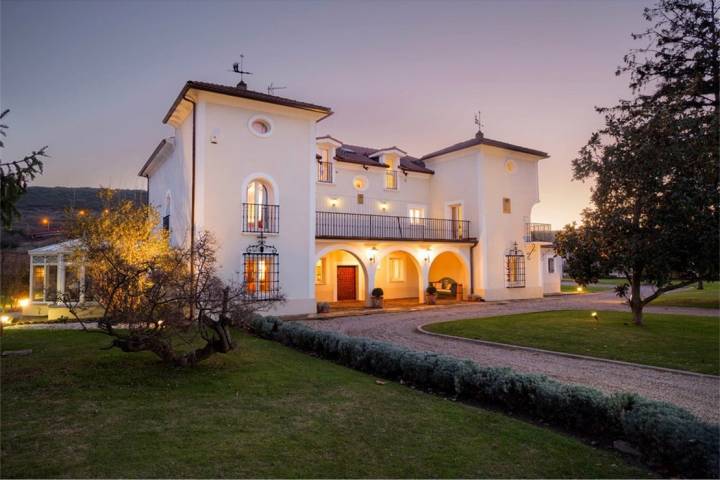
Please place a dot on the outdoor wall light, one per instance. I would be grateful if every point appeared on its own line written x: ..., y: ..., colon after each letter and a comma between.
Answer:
x: 24, y: 302
x: 333, y: 202
x: 427, y: 256
x: 384, y: 206
x: 371, y: 254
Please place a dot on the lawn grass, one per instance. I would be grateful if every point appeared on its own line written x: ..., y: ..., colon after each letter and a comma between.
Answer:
x: 708, y: 297
x: 72, y: 410
x: 675, y: 341
x: 592, y: 288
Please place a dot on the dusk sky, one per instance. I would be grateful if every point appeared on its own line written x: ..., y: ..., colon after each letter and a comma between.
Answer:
x: 93, y: 79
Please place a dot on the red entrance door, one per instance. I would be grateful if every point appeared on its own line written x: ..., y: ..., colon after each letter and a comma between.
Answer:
x: 346, y: 282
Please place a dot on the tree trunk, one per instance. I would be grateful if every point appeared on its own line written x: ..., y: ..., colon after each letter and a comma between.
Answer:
x: 700, y: 285
x: 636, y: 304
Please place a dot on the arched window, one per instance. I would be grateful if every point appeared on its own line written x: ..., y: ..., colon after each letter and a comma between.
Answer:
x: 259, y: 215
x: 166, y: 212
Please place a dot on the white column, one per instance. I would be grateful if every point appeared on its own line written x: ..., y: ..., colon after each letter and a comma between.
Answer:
x: 60, y: 284
x: 45, y: 279
x: 370, y: 284
x: 81, y: 298
x: 30, y: 294
x: 423, y: 280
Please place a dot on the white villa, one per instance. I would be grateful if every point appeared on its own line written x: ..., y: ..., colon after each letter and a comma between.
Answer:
x: 319, y: 219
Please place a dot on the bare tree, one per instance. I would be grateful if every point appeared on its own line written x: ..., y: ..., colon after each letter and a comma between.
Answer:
x: 151, y: 298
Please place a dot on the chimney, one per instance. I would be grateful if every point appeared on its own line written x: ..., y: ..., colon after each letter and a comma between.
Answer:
x: 242, y: 85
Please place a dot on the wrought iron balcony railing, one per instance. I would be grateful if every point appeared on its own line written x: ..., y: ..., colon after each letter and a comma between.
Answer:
x: 538, y: 232
x: 259, y: 217
x: 325, y: 172
x: 387, y: 227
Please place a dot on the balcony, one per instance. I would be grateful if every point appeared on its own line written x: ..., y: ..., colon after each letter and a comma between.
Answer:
x: 363, y: 226
x: 538, y: 232
x: 325, y: 172
x: 259, y: 217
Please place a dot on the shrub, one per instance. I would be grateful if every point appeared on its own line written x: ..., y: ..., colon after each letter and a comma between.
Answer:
x: 377, y: 292
x: 665, y: 434
x: 431, y: 290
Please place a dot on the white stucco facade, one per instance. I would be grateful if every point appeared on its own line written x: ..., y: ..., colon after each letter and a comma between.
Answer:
x: 241, y: 162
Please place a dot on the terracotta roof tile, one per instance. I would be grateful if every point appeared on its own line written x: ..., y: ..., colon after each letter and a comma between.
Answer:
x: 484, y: 141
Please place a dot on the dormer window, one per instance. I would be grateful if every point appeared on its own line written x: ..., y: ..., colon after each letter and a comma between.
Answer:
x: 391, y: 179
x: 325, y: 166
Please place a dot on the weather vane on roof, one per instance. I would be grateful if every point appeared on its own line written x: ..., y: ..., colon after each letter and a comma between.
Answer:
x: 238, y: 68
x: 479, y: 124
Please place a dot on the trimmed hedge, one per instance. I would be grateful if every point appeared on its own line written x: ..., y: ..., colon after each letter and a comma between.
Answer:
x: 665, y: 435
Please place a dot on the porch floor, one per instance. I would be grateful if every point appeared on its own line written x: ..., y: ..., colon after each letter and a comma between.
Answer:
x: 392, y: 303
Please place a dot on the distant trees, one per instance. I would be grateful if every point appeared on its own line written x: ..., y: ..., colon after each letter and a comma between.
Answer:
x: 655, y: 164
x: 155, y: 297
x: 14, y: 177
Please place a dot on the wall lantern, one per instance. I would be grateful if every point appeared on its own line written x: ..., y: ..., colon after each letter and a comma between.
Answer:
x: 372, y: 254
x: 333, y: 202
x: 383, y: 206
x: 427, y: 256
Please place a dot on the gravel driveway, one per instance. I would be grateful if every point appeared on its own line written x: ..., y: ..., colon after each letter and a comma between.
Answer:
x: 699, y: 394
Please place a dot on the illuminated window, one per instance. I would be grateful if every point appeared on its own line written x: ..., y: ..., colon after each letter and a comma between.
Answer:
x: 258, y: 214
x: 320, y: 271
x: 507, y: 206
x: 397, y: 269
x: 261, y: 276
x: 38, y: 292
x: 416, y: 215
x: 515, y: 268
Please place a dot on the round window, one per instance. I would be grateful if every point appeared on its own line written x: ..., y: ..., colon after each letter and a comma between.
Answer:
x: 260, y: 126
x: 360, y: 183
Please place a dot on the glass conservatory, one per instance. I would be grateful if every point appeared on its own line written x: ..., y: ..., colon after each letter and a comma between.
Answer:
x: 53, y: 273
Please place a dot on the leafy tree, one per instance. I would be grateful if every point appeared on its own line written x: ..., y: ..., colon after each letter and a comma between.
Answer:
x: 656, y: 200
x: 155, y: 297
x: 14, y: 177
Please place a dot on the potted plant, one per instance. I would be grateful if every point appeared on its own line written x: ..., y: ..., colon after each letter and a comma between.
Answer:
x: 377, y: 298
x: 431, y: 295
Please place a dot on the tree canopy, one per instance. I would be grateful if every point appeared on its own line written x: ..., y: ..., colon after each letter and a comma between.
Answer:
x: 14, y: 177
x: 655, y: 199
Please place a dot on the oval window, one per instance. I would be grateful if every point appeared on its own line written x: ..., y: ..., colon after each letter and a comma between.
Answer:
x: 260, y: 126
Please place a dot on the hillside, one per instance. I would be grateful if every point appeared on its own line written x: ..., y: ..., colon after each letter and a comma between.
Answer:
x: 51, y: 203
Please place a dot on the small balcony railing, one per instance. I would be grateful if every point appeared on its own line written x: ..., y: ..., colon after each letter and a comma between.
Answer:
x: 387, y: 227
x: 391, y: 181
x: 325, y: 172
x: 259, y: 217
x: 538, y: 232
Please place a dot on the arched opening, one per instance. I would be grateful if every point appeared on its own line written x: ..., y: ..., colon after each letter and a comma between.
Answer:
x: 449, y: 274
x: 166, y: 211
x: 340, y: 276
x: 399, y: 274
x: 260, y: 211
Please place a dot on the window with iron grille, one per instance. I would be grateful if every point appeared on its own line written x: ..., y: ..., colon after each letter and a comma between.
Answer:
x: 515, y: 268
x: 261, y: 271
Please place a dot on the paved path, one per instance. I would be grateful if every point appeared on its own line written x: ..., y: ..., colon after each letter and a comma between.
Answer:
x: 699, y: 394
